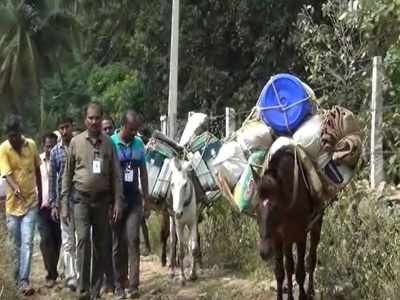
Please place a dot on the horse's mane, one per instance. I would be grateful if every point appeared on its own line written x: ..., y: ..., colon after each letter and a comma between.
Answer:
x: 278, y: 175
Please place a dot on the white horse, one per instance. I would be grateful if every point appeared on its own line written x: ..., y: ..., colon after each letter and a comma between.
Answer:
x: 184, y: 214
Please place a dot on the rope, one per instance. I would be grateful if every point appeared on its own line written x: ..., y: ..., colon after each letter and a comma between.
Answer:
x: 282, y: 107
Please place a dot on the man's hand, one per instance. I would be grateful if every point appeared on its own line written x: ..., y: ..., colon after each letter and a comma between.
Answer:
x: 117, y: 213
x: 55, y: 214
x: 65, y: 217
x: 17, y: 193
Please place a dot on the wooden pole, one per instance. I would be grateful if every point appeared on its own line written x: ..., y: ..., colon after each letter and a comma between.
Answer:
x: 230, y: 121
x: 42, y: 114
x: 173, y: 71
x: 163, y: 121
x: 377, y: 172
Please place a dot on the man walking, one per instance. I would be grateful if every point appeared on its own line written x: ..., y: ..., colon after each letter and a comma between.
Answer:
x: 92, y: 173
x: 107, y: 127
x: 126, y: 233
x: 58, y: 156
x: 20, y: 166
x: 50, y: 232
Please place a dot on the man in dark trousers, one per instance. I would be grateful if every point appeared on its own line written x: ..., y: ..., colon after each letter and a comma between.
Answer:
x: 107, y: 127
x: 49, y: 229
x: 126, y: 233
x: 93, y: 174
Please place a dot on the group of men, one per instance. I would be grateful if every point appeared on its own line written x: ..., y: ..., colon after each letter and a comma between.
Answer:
x: 87, y: 193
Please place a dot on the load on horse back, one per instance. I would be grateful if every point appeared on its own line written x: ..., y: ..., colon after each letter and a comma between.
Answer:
x: 285, y: 214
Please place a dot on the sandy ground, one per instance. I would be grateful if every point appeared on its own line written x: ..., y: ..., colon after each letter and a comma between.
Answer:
x: 156, y: 284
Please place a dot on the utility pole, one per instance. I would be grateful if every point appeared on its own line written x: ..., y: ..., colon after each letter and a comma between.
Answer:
x: 173, y: 71
x: 377, y: 174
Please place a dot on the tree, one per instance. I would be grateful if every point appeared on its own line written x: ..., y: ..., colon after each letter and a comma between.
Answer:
x: 35, y: 38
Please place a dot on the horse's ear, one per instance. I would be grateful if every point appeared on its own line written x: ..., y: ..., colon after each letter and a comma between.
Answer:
x: 256, y: 177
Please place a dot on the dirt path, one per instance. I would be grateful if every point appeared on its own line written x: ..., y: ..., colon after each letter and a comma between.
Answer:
x: 157, y: 285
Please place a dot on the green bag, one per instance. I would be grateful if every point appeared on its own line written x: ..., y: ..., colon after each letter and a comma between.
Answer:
x: 245, y: 190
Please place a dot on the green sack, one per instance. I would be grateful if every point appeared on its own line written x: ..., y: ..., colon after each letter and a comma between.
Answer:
x: 245, y: 190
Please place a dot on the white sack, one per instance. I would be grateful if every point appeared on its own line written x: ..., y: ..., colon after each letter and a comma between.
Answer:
x: 194, y: 122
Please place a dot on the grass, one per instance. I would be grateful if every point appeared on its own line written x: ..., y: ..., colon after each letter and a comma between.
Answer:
x: 7, y: 285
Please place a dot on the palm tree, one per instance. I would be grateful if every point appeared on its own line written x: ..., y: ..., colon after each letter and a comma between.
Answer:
x: 35, y: 37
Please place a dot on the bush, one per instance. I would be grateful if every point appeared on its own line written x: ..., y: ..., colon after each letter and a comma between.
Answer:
x: 7, y: 285
x: 229, y: 239
x: 360, y: 247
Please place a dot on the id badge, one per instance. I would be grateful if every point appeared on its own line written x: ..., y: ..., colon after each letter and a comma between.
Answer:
x: 128, y: 175
x: 96, y: 166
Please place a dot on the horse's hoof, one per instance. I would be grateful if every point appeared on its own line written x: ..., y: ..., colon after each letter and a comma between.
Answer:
x: 183, y: 282
x: 171, y: 274
x: 193, y: 277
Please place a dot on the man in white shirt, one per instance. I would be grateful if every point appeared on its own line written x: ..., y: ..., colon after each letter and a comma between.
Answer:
x: 50, y: 232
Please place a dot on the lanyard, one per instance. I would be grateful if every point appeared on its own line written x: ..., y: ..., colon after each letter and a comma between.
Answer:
x: 124, y: 152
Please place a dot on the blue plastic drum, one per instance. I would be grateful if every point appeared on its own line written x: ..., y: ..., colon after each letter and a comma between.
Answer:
x: 284, y: 103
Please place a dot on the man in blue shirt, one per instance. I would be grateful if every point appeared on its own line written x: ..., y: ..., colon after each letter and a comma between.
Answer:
x: 126, y: 238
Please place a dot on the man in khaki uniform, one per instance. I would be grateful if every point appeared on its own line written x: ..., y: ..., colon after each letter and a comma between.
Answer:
x: 93, y: 173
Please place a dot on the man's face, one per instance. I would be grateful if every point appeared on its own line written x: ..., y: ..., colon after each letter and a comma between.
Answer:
x: 65, y: 130
x: 131, y: 128
x: 93, y: 120
x: 15, y: 139
x: 49, y: 143
x: 107, y: 127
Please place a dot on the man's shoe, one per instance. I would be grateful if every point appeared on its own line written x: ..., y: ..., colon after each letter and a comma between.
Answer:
x: 120, y: 293
x: 50, y: 283
x: 107, y: 290
x: 132, y: 293
x: 71, y: 284
x: 83, y: 296
x: 26, y: 289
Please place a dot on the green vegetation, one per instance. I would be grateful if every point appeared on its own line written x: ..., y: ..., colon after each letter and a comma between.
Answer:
x: 55, y: 55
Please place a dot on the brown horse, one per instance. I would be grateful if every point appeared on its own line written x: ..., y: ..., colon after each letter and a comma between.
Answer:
x: 285, y: 217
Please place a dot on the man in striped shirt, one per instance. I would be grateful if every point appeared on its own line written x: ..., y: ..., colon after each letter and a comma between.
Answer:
x: 58, y: 158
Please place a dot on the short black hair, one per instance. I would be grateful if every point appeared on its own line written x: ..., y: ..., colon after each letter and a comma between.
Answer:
x: 49, y: 135
x: 92, y: 104
x: 64, y: 119
x: 108, y: 118
x: 13, y: 123
x: 133, y: 115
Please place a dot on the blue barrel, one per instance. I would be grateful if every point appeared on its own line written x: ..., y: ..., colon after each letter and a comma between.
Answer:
x: 284, y: 103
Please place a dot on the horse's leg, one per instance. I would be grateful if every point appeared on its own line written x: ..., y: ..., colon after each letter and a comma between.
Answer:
x: 164, y: 234
x: 195, y: 251
x: 199, y: 255
x: 174, y: 241
x: 146, y: 239
x: 172, y: 250
x: 289, y: 266
x: 300, y: 268
x: 180, y: 233
x: 279, y: 271
x: 315, y: 235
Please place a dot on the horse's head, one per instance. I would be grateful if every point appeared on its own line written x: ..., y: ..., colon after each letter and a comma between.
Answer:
x: 270, y: 194
x: 181, y: 186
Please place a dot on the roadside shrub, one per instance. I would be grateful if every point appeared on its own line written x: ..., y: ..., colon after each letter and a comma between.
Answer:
x: 7, y: 286
x: 229, y: 240
x: 360, y: 246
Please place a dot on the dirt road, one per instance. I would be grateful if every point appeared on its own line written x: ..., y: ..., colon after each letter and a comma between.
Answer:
x: 213, y: 284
